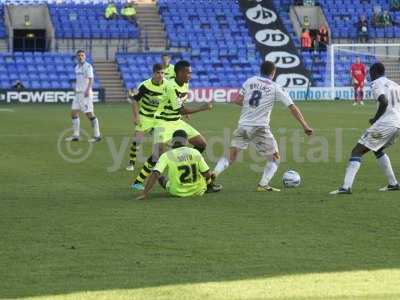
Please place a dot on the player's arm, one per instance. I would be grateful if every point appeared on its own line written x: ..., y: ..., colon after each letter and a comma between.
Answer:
x: 90, y: 82
x: 188, y: 111
x: 383, y: 103
x: 149, y: 185
x: 135, y: 105
x: 238, y: 100
x: 296, y: 113
x: 284, y: 97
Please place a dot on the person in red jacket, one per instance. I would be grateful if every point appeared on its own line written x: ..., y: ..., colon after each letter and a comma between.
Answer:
x: 358, y: 73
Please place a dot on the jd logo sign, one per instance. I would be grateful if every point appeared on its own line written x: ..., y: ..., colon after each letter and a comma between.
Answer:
x: 272, y: 38
x: 261, y: 15
x: 292, y: 80
x: 283, y: 59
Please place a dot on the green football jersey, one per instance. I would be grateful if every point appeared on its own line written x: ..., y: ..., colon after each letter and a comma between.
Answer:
x: 176, y: 96
x: 184, y: 166
x: 151, y: 97
x: 169, y: 72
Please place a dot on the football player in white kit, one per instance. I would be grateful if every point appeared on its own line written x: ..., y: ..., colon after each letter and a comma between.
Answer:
x: 257, y: 98
x: 83, y: 101
x: 383, y: 132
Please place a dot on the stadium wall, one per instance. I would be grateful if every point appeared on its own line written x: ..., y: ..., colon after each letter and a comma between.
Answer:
x: 44, y: 96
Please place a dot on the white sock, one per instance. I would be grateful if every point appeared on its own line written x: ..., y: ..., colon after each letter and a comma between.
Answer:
x: 75, y: 126
x: 96, y: 127
x: 269, y: 172
x: 386, y: 166
x: 222, y: 164
x: 351, y: 171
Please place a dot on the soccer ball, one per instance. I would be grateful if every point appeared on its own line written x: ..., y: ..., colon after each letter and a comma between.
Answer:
x: 291, y: 179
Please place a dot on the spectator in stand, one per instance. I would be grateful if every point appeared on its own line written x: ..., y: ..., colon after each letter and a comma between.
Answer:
x: 306, y: 41
x: 358, y: 74
x: 309, y: 2
x: 18, y: 86
x: 386, y: 19
x: 111, y: 11
x: 363, y: 35
x: 323, y: 38
x: 128, y: 12
x: 306, y: 23
x: 395, y: 4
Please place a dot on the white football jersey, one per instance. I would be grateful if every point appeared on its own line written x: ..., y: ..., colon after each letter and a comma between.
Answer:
x: 83, y: 73
x: 259, y: 95
x: 391, y: 90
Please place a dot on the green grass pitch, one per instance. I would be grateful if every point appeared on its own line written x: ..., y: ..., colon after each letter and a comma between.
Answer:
x: 74, y: 231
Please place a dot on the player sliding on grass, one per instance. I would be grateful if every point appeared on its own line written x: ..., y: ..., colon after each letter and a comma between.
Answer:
x: 169, y: 119
x: 383, y: 132
x: 257, y: 98
x: 145, y: 105
x: 187, y: 171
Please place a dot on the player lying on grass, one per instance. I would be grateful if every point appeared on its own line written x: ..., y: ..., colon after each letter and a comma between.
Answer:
x: 169, y: 119
x: 187, y: 173
x: 257, y: 98
x: 145, y: 105
x: 383, y: 132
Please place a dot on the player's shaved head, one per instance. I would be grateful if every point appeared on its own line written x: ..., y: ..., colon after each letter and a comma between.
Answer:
x: 181, y: 65
x: 183, y: 71
x: 377, y: 70
x: 267, y: 68
x: 179, y: 138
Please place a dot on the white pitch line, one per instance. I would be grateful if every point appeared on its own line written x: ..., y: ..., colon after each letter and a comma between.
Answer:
x: 6, y: 110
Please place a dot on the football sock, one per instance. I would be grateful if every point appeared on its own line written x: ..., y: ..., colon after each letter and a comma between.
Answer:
x: 222, y: 164
x: 269, y: 172
x: 95, y: 126
x: 75, y: 125
x: 132, y: 154
x: 386, y: 166
x: 146, y: 170
x: 351, y: 171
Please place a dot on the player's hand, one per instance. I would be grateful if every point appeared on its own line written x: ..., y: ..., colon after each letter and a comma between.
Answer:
x: 87, y: 93
x: 142, y: 196
x: 308, y: 130
x: 355, y: 81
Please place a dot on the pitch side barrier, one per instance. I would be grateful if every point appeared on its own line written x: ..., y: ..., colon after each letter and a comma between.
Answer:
x: 226, y: 95
x: 45, y: 96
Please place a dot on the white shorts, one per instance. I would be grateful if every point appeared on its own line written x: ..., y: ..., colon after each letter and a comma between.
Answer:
x: 83, y: 104
x: 261, y: 137
x: 378, y: 136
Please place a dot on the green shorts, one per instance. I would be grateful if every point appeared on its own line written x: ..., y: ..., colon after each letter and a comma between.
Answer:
x: 164, y: 130
x: 146, y: 124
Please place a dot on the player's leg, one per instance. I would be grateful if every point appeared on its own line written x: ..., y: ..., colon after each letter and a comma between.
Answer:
x: 145, y: 172
x: 87, y: 108
x: 75, y: 110
x: 145, y: 126
x: 95, y: 126
x: 384, y: 163
x: 240, y: 141
x: 266, y: 146
x: 352, y: 168
x: 223, y: 163
x: 75, y: 127
x: 361, y: 94
x: 136, y: 143
x: 355, y: 95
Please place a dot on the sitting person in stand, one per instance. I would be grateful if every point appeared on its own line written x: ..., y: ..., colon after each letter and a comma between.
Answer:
x: 128, y: 12
x: 111, y: 11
